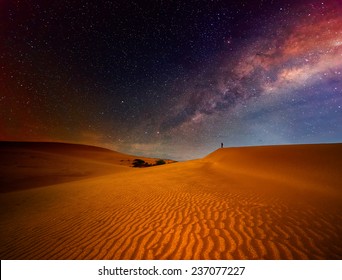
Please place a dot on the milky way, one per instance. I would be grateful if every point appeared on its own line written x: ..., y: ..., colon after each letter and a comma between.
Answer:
x: 172, y: 79
x: 295, y: 68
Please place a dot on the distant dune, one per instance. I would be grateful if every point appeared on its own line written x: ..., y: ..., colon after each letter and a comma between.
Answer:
x: 63, y: 201
x: 25, y: 165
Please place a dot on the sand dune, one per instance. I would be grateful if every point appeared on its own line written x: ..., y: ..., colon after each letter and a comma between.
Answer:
x: 25, y: 165
x: 280, y: 202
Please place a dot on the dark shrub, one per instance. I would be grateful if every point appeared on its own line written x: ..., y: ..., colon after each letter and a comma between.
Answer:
x: 138, y: 162
x: 160, y: 162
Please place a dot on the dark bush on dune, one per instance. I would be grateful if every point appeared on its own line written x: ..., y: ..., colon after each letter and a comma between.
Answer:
x: 160, y: 162
x: 141, y: 163
x: 138, y: 162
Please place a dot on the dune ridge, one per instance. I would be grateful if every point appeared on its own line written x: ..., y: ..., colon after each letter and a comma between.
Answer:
x: 280, y: 202
x: 25, y: 165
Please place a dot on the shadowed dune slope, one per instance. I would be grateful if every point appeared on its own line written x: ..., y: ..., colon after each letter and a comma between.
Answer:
x: 276, y: 202
x: 26, y: 165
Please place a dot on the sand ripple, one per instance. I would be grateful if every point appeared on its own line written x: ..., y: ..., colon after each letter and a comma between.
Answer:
x: 188, y: 224
x: 184, y: 211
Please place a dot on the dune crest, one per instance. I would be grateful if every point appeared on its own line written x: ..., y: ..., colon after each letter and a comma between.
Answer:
x: 26, y: 165
x: 276, y: 202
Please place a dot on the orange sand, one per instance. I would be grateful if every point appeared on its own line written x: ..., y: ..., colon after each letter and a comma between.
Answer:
x: 81, y: 202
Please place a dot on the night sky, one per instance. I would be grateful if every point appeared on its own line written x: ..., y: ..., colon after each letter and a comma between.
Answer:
x: 171, y: 79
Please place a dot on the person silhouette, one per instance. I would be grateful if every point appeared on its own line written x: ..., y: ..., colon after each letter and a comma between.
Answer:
x: 221, y: 145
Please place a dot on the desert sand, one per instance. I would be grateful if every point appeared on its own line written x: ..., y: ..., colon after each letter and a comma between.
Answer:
x: 62, y: 201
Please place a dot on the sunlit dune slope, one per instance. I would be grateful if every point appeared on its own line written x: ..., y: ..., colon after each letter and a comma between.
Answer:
x: 277, y: 202
x: 309, y: 164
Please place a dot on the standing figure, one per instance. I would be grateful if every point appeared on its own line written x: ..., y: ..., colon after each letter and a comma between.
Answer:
x: 221, y: 145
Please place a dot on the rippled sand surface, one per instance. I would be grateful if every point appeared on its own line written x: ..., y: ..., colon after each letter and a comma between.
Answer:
x: 276, y: 202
